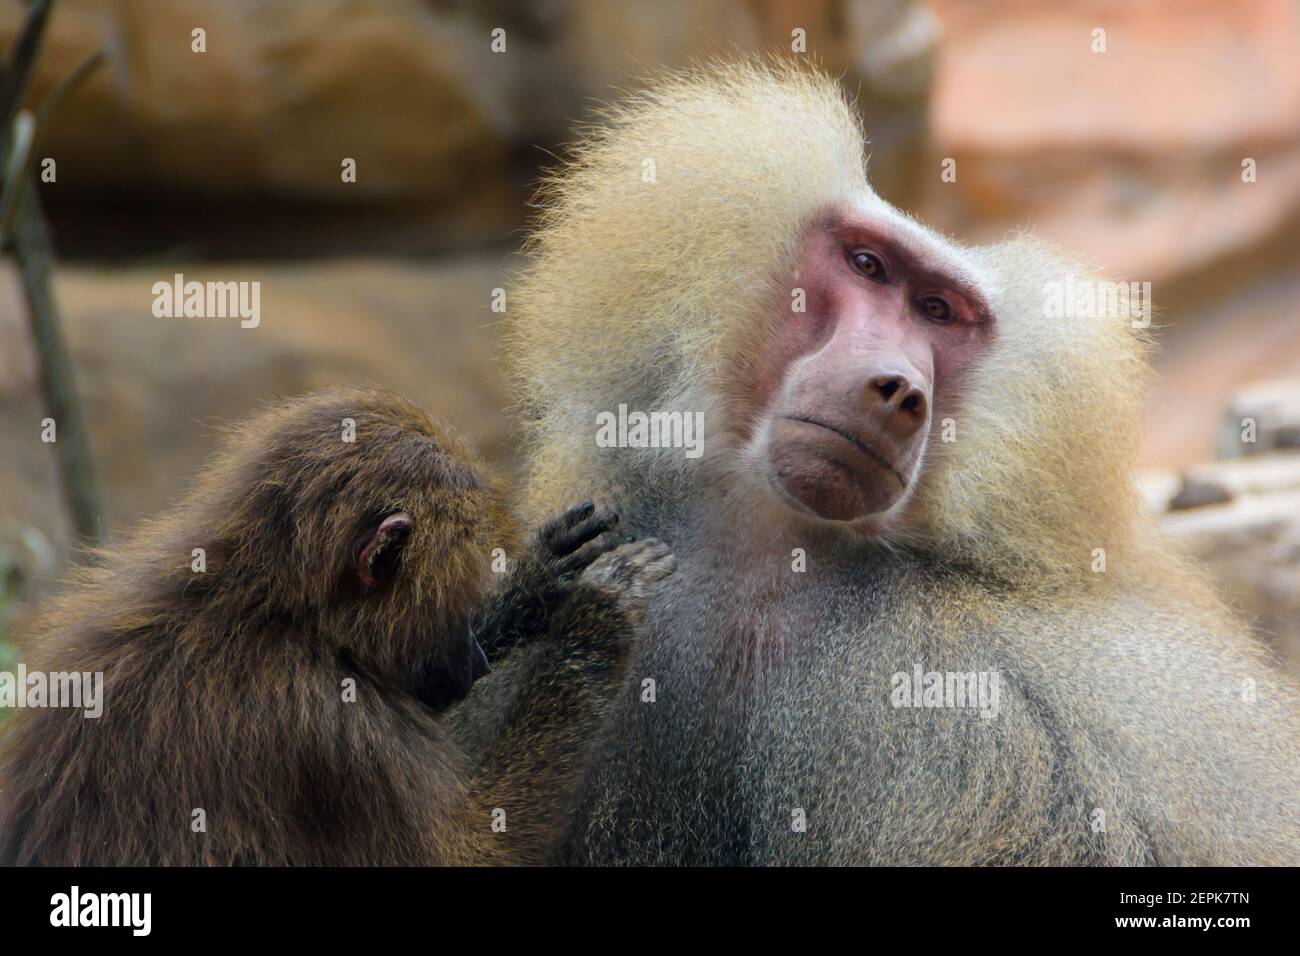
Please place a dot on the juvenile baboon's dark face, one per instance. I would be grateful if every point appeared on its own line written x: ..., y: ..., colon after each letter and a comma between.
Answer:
x: 852, y: 386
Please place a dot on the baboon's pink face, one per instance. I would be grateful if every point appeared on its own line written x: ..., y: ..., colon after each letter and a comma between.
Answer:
x: 852, y: 386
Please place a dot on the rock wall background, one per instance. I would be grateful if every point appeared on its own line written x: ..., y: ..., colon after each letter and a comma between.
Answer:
x: 225, y: 164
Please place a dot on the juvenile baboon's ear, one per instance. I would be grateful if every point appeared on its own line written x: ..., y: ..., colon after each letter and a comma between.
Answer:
x: 380, y: 555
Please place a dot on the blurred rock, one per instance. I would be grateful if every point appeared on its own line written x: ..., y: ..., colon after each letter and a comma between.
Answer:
x: 1241, y: 517
x: 1229, y: 480
x: 1197, y: 494
x: 199, y: 148
x: 1132, y: 155
x: 1204, y: 359
x: 1268, y: 413
x: 281, y: 95
x: 1158, y: 488
x: 1252, y: 547
x: 894, y: 42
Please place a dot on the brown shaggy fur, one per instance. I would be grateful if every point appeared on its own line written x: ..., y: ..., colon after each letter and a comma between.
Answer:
x: 224, y: 690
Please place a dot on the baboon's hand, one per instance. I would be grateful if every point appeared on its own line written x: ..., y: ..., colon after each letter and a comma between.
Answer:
x: 630, y: 574
x: 565, y: 545
x: 545, y: 577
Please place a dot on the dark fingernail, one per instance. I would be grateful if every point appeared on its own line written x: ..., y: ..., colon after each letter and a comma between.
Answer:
x: 586, y: 508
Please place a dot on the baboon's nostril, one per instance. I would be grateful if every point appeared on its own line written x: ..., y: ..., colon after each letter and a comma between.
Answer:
x: 889, y: 385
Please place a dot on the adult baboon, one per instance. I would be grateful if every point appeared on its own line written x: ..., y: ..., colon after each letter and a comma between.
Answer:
x: 911, y: 471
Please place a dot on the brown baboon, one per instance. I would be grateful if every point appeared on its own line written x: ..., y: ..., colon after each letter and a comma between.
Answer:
x: 283, y: 704
x: 914, y: 470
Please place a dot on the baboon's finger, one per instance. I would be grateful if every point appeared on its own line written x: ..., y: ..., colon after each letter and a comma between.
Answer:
x: 589, y: 552
x: 584, y: 532
x: 553, y: 528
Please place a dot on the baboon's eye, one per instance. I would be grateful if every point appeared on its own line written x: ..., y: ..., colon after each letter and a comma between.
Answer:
x: 936, y: 309
x: 869, y: 264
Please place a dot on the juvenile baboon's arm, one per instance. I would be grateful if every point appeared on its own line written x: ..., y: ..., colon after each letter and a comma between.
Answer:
x: 522, y: 608
x: 534, y: 767
x: 518, y: 616
x: 440, y: 800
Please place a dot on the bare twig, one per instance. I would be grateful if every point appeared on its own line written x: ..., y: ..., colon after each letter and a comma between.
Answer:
x: 18, y: 72
x: 69, y: 83
x: 23, y: 229
x: 35, y: 255
x: 26, y: 130
x: 14, y: 172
